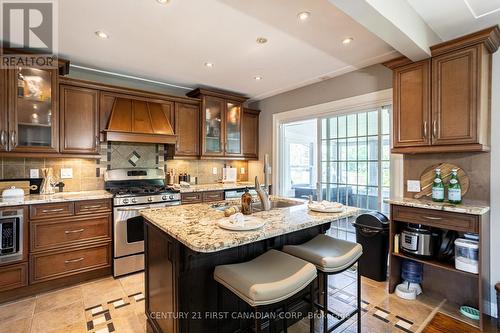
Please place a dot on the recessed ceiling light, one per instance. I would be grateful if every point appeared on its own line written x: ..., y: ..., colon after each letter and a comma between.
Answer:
x: 347, y: 40
x: 258, y: 78
x: 163, y: 2
x: 261, y: 40
x: 303, y: 16
x: 101, y: 34
x: 209, y: 64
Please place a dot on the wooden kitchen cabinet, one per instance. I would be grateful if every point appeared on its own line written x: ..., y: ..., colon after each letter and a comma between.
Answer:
x: 250, y: 133
x: 442, y: 104
x: 33, y: 115
x: 221, y: 124
x: 79, y: 108
x: 411, y: 105
x: 4, y: 125
x: 13, y: 276
x: 460, y: 96
x: 70, y: 238
x: 187, y: 129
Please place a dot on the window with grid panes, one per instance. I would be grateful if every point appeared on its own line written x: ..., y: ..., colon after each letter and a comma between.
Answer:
x: 355, y: 158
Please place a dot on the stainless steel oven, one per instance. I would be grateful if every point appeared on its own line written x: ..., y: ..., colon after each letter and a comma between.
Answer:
x: 11, y: 231
x: 129, y: 237
x: 134, y: 190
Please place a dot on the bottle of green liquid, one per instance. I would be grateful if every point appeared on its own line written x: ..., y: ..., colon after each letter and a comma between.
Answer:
x: 454, y: 188
x: 438, y: 187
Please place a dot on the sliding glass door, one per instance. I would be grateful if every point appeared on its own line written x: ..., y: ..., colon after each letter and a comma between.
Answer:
x: 355, y: 158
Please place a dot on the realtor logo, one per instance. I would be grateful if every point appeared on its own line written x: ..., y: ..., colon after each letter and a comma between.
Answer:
x: 28, y: 33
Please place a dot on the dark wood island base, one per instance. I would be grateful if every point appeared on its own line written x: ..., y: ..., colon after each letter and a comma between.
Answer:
x: 181, y: 293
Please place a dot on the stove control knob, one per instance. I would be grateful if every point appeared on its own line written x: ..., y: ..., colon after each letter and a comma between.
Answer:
x: 164, y: 197
x: 134, y: 200
x: 150, y: 199
x: 125, y: 201
x: 171, y: 197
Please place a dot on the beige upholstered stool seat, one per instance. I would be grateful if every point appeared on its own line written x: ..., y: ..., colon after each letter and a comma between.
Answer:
x: 270, y: 278
x: 330, y: 255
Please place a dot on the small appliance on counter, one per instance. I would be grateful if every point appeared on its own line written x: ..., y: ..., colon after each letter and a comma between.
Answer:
x: 12, y: 193
x: 418, y: 240
x: 229, y: 175
x: 467, y: 255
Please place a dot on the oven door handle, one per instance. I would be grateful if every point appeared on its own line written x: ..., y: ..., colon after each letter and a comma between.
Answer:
x: 132, y: 209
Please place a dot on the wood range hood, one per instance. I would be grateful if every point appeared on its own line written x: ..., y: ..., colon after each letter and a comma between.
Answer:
x: 133, y: 120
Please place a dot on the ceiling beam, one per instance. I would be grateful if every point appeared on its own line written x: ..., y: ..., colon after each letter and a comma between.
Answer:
x: 395, y: 22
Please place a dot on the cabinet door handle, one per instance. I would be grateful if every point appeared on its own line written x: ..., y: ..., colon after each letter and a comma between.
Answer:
x: 91, y: 207
x: 67, y: 232
x: 425, y: 129
x: 74, y: 260
x: 97, y: 144
x: 52, y: 210
x: 433, y: 218
x: 434, y: 128
x: 13, y: 139
x: 3, y: 139
x: 191, y: 198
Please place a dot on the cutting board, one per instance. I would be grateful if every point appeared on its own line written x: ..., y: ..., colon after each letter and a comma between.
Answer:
x: 427, y: 178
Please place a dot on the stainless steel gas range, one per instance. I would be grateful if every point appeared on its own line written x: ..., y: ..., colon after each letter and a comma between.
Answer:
x: 134, y: 190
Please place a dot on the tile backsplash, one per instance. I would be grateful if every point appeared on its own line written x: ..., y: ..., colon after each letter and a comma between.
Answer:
x: 85, y: 171
x: 203, y: 169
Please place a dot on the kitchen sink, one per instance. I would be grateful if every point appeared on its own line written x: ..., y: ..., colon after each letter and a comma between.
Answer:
x: 257, y: 206
x: 276, y: 204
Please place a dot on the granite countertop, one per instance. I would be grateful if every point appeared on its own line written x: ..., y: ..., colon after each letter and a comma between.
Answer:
x: 57, y: 197
x: 216, y: 187
x: 195, y: 225
x: 467, y: 207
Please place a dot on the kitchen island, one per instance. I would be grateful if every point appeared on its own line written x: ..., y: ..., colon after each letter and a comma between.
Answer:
x: 183, y: 244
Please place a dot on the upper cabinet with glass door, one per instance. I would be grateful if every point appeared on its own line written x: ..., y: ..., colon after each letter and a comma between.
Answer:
x: 233, y: 128
x: 221, y: 124
x: 213, y: 121
x: 33, y: 110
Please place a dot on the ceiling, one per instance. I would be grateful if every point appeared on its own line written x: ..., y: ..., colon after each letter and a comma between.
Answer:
x: 171, y: 43
x: 467, y: 15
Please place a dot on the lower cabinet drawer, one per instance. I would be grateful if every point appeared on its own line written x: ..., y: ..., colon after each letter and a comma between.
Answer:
x: 92, y: 206
x: 436, y: 218
x: 213, y: 196
x: 50, y: 210
x: 189, y: 198
x: 51, y: 234
x: 48, y: 266
x: 13, y: 276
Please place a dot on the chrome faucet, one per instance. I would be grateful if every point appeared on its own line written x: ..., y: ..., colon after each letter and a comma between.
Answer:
x: 263, y: 195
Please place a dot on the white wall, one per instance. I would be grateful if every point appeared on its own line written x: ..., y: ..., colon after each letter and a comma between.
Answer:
x: 495, y: 179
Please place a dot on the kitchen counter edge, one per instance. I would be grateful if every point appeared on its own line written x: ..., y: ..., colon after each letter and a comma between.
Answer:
x: 34, y: 199
x: 470, y: 208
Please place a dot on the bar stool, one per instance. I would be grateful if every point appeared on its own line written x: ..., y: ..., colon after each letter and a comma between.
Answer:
x: 266, y: 281
x: 331, y: 256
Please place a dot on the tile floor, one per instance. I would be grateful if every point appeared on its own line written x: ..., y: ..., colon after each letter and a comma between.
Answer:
x: 117, y: 305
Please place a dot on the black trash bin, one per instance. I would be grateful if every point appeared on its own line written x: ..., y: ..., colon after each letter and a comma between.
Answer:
x: 372, y: 232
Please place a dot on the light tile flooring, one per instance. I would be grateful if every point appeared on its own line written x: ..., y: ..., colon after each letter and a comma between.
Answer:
x: 117, y: 305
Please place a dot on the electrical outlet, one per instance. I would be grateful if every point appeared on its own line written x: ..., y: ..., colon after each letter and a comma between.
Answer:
x: 34, y: 173
x: 242, y: 171
x: 66, y: 173
x: 214, y: 170
x: 413, y: 185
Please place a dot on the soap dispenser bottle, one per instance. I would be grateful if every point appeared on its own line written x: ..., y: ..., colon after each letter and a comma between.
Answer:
x: 246, y: 202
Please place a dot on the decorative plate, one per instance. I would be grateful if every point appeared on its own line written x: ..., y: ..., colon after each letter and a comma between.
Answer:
x: 250, y: 223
